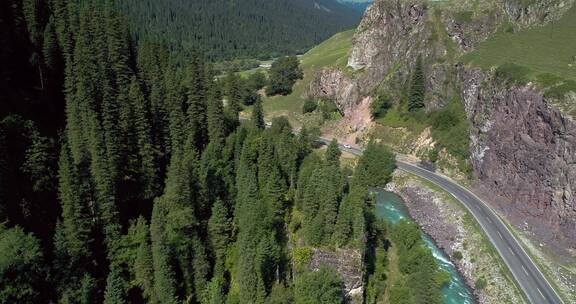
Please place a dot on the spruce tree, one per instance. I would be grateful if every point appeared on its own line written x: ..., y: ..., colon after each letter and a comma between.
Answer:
x: 215, y: 118
x: 197, y: 94
x: 76, y: 222
x: 417, y: 87
x: 148, y: 173
x: 164, y: 277
x: 333, y: 153
x: 115, y: 287
x: 219, y: 228
x: 258, y: 115
x: 144, y: 266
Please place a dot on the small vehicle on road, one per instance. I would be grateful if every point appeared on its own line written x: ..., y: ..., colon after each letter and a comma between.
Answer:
x: 347, y: 146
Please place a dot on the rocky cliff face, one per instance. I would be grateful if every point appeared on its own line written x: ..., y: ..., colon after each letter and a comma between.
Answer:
x: 524, y: 156
x: 523, y: 148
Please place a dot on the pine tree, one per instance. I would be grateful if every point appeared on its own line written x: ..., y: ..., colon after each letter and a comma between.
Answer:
x: 417, y: 87
x: 144, y: 265
x: 197, y: 94
x: 50, y: 49
x: 215, y: 118
x: 258, y: 115
x: 76, y: 223
x: 21, y: 266
x: 148, y: 173
x: 333, y: 153
x: 219, y: 228
x: 115, y: 287
x: 164, y: 277
x: 233, y: 92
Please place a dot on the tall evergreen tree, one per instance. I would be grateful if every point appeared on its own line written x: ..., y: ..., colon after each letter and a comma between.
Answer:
x: 76, y: 213
x: 417, y: 87
x: 197, y: 94
x: 333, y: 153
x: 258, y: 115
x: 215, y: 118
x: 148, y: 172
x: 144, y: 265
x: 115, y: 287
x: 219, y: 228
x: 164, y: 276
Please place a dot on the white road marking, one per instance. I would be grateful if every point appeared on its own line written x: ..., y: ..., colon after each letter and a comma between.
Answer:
x: 510, y: 249
x: 540, y: 293
x: 489, y: 220
x: 526, y: 272
x: 500, y: 235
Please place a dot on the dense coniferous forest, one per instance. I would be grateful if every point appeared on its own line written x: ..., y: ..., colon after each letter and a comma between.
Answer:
x: 126, y: 178
x: 229, y: 29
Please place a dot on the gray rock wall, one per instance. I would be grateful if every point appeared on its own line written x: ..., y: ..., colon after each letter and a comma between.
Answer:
x: 524, y: 156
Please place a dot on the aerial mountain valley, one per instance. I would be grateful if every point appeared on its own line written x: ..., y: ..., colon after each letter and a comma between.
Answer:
x: 288, y: 151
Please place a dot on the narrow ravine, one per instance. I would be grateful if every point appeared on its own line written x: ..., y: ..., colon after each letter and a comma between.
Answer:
x: 391, y: 208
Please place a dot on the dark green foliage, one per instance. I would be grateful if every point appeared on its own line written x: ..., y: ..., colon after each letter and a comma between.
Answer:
x: 239, y: 29
x: 148, y: 168
x: 380, y: 106
x: 283, y: 75
x: 144, y: 263
x: 417, y: 263
x: 280, y: 294
x: 258, y: 115
x: 351, y: 223
x: 450, y: 129
x: 256, y: 81
x: 480, y: 283
x: 21, y: 266
x: 322, y: 286
x: 333, y: 153
x: 115, y: 287
x: 219, y: 228
x: 309, y: 106
x: 327, y: 107
x: 375, y: 167
x: 164, y: 277
x: 76, y: 222
x: 417, y: 87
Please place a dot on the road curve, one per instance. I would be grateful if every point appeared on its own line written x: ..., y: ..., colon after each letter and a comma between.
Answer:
x: 527, y: 275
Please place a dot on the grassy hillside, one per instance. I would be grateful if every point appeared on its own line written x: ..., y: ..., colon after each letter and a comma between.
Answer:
x: 332, y: 52
x: 546, y: 55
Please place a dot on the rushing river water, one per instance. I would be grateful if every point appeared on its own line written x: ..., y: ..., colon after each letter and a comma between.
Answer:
x: 391, y: 208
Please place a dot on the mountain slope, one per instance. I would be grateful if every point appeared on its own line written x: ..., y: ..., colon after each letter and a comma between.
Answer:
x: 223, y: 29
x: 359, y: 5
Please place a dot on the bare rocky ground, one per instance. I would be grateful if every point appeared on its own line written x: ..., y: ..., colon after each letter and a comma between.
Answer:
x: 349, y: 265
x: 454, y: 231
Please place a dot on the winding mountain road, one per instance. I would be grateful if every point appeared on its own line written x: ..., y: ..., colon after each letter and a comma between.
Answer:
x: 527, y: 275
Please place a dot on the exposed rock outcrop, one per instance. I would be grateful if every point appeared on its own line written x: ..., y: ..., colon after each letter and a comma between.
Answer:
x: 523, y: 148
x: 524, y: 156
x: 335, y: 85
x: 349, y: 265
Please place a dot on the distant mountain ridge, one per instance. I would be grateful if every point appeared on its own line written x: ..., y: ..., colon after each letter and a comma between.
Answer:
x: 227, y: 29
x: 359, y: 5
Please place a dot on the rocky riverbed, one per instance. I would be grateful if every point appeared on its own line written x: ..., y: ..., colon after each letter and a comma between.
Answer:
x: 456, y: 233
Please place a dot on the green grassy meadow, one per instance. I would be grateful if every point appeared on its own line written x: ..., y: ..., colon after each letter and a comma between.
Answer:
x: 548, y: 50
x: 332, y: 52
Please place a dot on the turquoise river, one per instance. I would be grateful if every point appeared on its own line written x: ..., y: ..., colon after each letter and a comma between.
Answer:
x: 391, y: 207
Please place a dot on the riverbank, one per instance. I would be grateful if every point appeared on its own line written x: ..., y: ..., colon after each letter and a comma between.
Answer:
x: 456, y: 233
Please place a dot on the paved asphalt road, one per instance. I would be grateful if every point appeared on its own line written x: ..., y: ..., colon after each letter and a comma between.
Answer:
x: 526, y: 273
